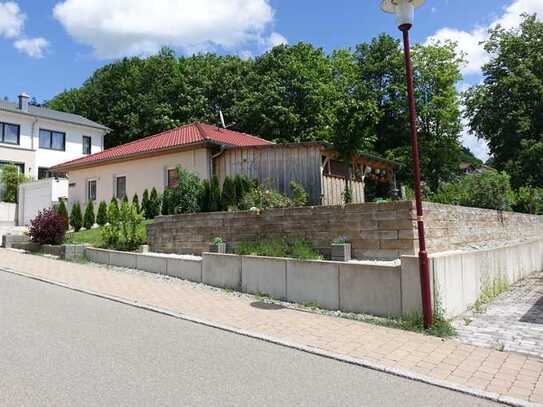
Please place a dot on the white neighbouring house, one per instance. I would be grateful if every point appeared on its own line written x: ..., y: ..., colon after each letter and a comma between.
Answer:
x: 36, y: 139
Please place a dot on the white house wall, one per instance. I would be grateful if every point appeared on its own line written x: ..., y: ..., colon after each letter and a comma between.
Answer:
x: 140, y: 174
x: 28, y: 151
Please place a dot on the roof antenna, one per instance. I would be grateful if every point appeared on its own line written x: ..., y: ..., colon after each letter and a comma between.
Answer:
x: 223, y: 123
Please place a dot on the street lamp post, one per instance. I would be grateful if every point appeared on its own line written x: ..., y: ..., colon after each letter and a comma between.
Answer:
x: 405, y: 11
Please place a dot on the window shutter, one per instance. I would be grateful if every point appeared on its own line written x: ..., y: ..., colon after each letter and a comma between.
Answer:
x: 165, y: 178
x: 86, y: 188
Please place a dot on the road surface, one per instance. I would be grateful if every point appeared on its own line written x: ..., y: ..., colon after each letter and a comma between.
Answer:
x: 63, y: 348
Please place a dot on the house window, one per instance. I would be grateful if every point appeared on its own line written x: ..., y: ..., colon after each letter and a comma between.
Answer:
x: 52, y: 140
x: 172, y: 178
x: 20, y: 166
x: 91, y: 190
x: 43, y: 173
x: 10, y: 133
x: 121, y: 187
x: 87, y: 144
x: 336, y: 168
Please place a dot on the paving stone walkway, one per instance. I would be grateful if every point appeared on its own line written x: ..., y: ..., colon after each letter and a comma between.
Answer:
x: 501, y: 373
x: 512, y: 322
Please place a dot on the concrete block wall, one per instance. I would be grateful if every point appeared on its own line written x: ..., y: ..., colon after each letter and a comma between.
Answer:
x: 384, y: 230
x: 451, y: 227
x: 458, y: 278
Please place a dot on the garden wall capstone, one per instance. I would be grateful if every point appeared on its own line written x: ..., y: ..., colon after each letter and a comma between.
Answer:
x: 386, y: 230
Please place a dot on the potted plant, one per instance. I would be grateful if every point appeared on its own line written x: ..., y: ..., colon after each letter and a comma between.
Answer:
x: 218, y: 245
x: 341, y: 249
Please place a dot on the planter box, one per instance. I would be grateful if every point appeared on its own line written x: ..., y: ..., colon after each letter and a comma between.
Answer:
x: 221, y: 248
x: 264, y: 275
x: 222, y: 270
x: 341, y: 252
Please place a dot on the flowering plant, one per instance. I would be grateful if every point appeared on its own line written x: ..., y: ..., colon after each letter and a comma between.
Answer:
x: 341, y: 240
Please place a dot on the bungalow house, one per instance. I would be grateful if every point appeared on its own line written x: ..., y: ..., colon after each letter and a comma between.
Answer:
x: 208, y: 150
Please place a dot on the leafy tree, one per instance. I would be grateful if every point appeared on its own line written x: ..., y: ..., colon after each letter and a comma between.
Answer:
x: 505, y: 109
x: 229, y: 196
x: 89, y: 218
x: 299, y: 196
x: 11, y: 177
x: 101, y: 215
x: 76, y: 217
x: 63, y: 213
x: 168, y: 204
x: 145, y: 205
x: 136, y: 202
x: 214, y: 195
x: 529, y: 200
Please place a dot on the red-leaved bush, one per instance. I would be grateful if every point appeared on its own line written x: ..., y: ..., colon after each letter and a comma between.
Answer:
x: 48, y: 227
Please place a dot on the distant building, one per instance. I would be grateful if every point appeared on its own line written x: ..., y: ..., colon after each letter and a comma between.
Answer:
x: 36, y: 139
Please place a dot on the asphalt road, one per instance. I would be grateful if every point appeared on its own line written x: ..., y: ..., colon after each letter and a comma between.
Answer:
x: 63, y: 348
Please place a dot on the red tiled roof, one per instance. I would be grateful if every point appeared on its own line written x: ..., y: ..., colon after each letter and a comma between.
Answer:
x: 195, y: 133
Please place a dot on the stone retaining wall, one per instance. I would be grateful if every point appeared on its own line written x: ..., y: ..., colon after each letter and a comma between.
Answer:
x: 385, y: 230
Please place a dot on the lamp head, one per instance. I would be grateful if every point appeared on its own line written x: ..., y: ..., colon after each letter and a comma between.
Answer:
x: 403, y: 9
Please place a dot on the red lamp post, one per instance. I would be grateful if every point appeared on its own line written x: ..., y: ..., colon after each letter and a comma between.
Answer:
x: 405, y: 11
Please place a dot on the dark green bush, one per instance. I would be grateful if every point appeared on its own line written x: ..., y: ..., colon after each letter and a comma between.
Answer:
x: 299, y: 196
x: 76, y: 217
x: 204, y: 196
x: 154, y: 203
x: 229, y: 195
x: 125, y: 230
x: 101, y: 215
x: 63, y: 212
x: 490, y: 190
x: 184, y: 198
x: 112, y: 210
x: 243, y: 186
x: 136, y: 202
x: 145, y: 204
x: 215, y: 195
x: 261, y: 197
x: 89, y: 218
x: 168, y: 207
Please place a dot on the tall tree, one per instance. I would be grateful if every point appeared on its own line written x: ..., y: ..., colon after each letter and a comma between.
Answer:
x: 506, y: 109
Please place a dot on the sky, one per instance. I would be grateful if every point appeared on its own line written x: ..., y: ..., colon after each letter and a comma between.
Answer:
x: 50, y: 45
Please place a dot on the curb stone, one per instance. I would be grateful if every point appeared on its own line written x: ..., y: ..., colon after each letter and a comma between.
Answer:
x: 510, y: 401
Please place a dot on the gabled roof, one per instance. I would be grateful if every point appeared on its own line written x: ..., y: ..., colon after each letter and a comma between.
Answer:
x: 49, y: 114
x: 185, y: 136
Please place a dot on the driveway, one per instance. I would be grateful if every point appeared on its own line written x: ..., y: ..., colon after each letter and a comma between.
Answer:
x: 512, y: 322
x: 64, y: 348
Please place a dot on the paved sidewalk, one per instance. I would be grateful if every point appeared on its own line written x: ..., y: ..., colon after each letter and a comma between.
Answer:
x: 513, y: 322
x: 507, y: 374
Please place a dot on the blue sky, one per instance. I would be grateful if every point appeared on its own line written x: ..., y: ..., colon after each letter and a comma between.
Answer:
x: 52, y: 45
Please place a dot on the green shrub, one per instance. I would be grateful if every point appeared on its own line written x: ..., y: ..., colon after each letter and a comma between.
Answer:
x: 154, y: 204
x: 489, y: 190
x: 185, y: 196
x: 168, y: 207
x: 125, y: 199
x: 145, y: 204
x: 89, y: 218
x: 298, y: 249
x: 299, y: 196
x: 204, y: 196
x: 229, y: 195
x: 347, y: 194
x: 136, y: 202
x: 264, y: 198
x: 529, y: 200
x: 112, y: 210
x: 215, y: 195
x: 63, y: 213
x: 76, y: 217
x: 11, y: 177
x: 243, y: 186
x: 101, y: 215
x: 125, y: 230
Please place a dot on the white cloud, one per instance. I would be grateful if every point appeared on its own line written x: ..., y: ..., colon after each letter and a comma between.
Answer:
x: 11, y: 20
x: 276, y: 39
x: 478, y: 147
x: 130, y: 27
x: 33, y: 47
x: 469, y: 42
